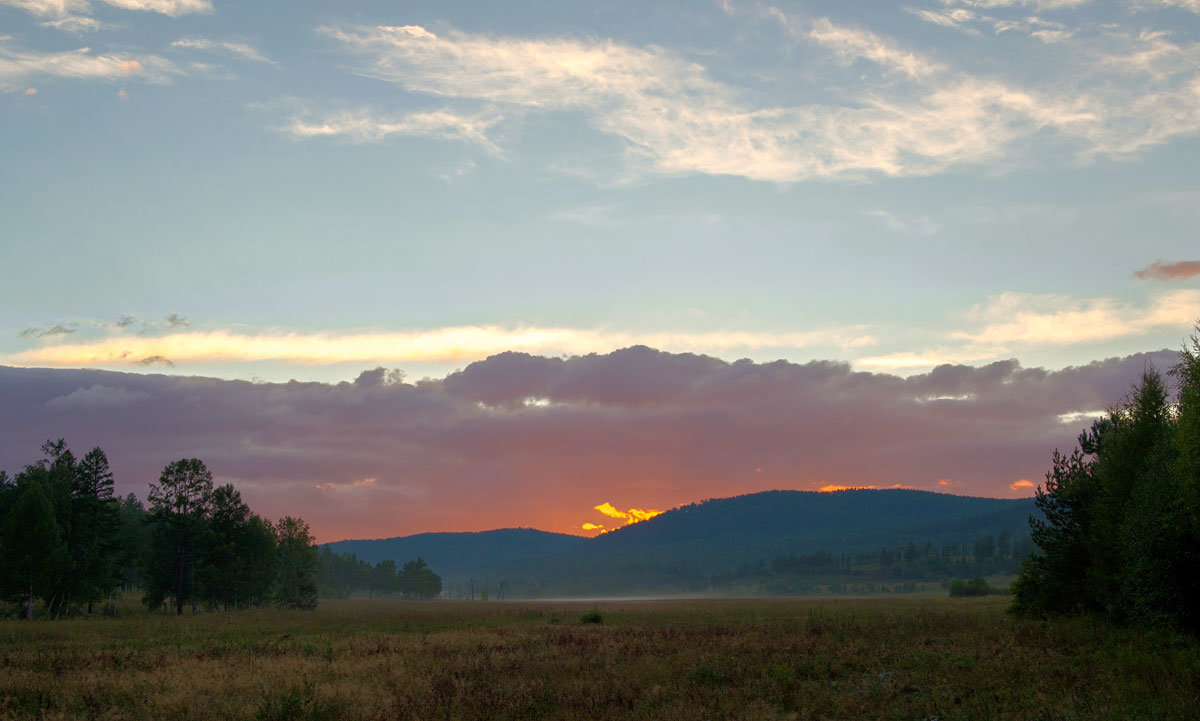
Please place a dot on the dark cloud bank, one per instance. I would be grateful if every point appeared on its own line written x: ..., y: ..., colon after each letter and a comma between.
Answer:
x: 526, y: 440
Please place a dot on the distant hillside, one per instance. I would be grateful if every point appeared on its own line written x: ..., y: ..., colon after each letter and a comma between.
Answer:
x: 728, y: 530
x: 681, y: 549
x: 459, y: 555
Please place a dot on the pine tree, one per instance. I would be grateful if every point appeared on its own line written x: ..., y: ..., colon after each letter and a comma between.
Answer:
x: 179, y: 505
x: 298, y: 561
x: 32, y: 553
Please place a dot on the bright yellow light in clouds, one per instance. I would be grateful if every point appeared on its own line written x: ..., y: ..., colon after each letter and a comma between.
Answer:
x: 455, y: 343
x: 633, y: 515
x: 831, y: 488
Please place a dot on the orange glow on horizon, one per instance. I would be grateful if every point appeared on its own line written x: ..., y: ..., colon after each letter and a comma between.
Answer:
x: 831, y: 488
x: 631, y: 516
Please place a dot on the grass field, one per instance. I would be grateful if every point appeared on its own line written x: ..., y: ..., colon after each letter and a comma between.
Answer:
x: 918, y: 658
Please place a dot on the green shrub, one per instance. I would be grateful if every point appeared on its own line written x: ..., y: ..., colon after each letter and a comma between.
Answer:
x: 592, y: 616
x: 973, y: 587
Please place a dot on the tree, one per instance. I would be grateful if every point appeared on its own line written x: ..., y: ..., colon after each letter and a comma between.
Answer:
x: 95, y: 528
x: 133, y: 541
x: 32, y: 553
x: 985, y: 547
x: 417, y: 580
x: 384, y: 578
x: 179, y: 503
x: 238, y: 564
x: 296, y: 552
x: 1121, y: 534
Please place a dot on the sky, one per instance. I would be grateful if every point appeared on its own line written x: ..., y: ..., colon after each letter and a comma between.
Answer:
x: 810, y: 210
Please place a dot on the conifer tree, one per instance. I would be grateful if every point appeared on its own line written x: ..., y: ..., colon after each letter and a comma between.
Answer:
x: 32, y: 553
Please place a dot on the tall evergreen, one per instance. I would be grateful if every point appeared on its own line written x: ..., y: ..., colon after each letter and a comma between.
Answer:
x: 1121, y: 535
x: 33, y: 557
x: 179, y: 503
x: 298, y: 559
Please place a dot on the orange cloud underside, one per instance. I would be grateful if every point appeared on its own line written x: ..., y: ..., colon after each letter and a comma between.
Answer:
x: 627, y: 517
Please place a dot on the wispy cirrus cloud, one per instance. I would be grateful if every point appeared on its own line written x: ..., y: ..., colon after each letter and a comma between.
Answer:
x: 243, y: 50
x: 675, y: 118
x: 858, y: 44
x: 364, y: 125
x: 76, y: 14
x: 1162, y: 270
x: 913, y: 115
x: 49, y: 8
x: 17, y: 63
x: 443, y: 344
x: 173, y: 8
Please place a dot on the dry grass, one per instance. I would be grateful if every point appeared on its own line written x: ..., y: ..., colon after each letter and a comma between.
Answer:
x: 749, y: 659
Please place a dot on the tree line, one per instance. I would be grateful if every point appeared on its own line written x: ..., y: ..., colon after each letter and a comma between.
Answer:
x: 66, y: 541
x: 1121, y: 533
x: 342, y: 574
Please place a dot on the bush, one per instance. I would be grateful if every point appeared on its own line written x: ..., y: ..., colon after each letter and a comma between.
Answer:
x: 973, y: 587
x: 592, y: 616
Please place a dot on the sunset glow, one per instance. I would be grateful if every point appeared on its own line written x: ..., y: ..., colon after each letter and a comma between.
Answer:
x: 627, y: 517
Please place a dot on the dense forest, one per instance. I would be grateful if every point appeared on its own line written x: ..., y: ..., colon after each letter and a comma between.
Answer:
x: 66, y: 541
x: 1120, y: 535
x: 894, y: 569
x: 341, y: 574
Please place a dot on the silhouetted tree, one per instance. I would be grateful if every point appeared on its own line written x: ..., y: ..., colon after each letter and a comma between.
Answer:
x: 298, y: 560
x: 178, y: 506
x: 1121, y: 535
x: 33, y: 556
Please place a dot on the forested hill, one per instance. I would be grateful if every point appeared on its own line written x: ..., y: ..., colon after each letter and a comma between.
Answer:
x: 711, y: 537
x: 458, y: 555
x: 781, y: 522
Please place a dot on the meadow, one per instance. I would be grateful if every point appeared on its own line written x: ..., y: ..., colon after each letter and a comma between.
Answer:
x: 860, y: 658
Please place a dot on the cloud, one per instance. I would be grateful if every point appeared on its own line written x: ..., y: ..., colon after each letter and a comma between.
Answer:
x: 854, y: 44
x: 82, y: 64
x: 173, y: 8
x: 1190, y: 5
x: 55, y: 330
x: 1036, y: 4
x: 442, y: 344
x: 75, y: 15
x: 76, y: 24
x: 660, y: 429
x: 1022, y: 485
x: 177, y: 321
x: 953, y: 18
x: 49, y: 8
x: 907, y: 114
x: 239, y: 49
x: 1011, y: 323
x: 97, y: 396
x: 676, y: 119
x: 362, y: 125
x: 156, y: 360
x: 1161, y: 270
x: 922, y: 226
x: 1023, y: 318
x: 333, y: 486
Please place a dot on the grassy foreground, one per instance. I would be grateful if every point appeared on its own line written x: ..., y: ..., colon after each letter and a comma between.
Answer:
x: 737, y: 659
